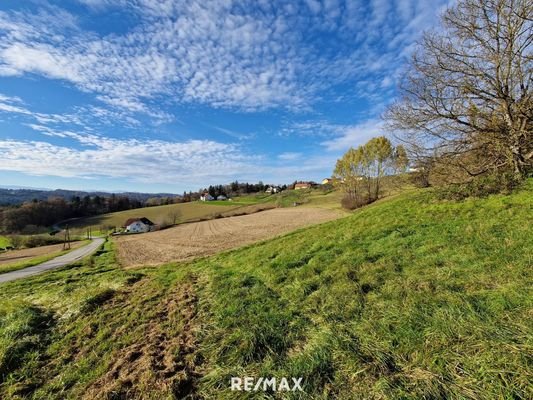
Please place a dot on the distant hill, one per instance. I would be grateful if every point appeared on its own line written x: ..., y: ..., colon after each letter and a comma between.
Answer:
x: 19, y: 196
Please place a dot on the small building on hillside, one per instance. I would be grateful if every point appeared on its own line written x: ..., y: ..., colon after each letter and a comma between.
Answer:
x: 302, y: 185
x: 327, y: 181
x: 272, y: 189
x: 138, y: 225
x: 222, y: 197
x: 205, y: 196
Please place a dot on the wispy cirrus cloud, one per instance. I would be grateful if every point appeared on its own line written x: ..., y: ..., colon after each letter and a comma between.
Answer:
x: 244, y: 55
x: 355, y: 135
x: 336, y: 137
x: 82, y: 152
x: 289, y: 156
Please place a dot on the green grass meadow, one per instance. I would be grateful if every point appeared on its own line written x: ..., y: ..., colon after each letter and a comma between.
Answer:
x: 4, y: 241
x: 409, y: 298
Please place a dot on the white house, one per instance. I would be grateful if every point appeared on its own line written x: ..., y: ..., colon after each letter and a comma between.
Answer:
x: 138, y: 225
x: 272, y: 189
x: 206, y: 197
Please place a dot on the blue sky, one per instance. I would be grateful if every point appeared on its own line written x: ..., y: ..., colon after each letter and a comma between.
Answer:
x: 165, y: 95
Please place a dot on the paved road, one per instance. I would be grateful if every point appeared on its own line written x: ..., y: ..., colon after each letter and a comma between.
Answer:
x: 57, y: 262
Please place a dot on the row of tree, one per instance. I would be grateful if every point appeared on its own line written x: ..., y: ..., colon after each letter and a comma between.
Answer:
x: 360, y: 171
x: 237, y: 188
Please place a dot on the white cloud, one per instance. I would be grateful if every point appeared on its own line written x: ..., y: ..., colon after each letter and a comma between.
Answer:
x: 101, y: 4
x: 243, y: 55
x: 147, y: 161
x: 15, y: 105
x: 336, y: 137
x: 12, y: 105
x: 289, y: 156
x: 353, y: 136
x: 314, y: 6
x: 186, y: 164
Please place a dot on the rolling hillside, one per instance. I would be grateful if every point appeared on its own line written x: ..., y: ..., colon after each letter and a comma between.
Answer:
x: 158, y: 214
x: 408, y: 298
x: 197, y: 210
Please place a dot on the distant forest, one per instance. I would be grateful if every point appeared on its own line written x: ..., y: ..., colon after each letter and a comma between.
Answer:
x: 19, y: 196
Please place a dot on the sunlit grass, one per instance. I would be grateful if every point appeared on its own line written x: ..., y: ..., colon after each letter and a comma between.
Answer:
x: 408, y: 298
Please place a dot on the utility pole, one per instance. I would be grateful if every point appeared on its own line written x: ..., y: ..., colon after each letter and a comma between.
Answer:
x: 66, y: 241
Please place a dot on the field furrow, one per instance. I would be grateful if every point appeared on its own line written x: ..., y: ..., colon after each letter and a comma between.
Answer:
x: 204, y: 238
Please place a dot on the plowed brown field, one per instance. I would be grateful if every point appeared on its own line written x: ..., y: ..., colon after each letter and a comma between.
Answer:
x: 198, y: 239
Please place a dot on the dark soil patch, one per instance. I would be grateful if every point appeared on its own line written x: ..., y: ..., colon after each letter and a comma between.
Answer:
x: 164, y: 362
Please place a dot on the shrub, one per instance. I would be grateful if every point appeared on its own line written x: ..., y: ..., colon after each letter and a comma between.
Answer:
x: 16, y: 241
x: 478, y: 187
x: 420, y: 178
x: 41, y: 240
x: 358, y: 200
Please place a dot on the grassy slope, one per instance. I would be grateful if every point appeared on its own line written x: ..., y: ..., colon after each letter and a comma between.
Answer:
x: 410, y: 298
x: 198, y: 210
x: 249, y: 199
x: 309, y: 197
x: 187, y: 212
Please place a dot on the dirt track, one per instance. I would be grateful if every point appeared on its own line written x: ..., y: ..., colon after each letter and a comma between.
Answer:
x: 198, y: 239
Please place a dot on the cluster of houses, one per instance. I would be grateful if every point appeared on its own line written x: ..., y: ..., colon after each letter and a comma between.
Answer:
x: 205, y: 196
x: 273, y: 189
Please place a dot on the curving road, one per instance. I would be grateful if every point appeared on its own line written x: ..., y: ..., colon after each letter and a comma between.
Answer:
x: 57, y: 262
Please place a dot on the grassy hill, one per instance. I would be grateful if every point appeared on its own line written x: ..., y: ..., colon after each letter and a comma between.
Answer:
x: 406, y: 299
x: 203, y: 210
x: 158, y: 214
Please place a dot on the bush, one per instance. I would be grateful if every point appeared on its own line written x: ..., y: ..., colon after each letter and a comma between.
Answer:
x: 16, y: 241
x: 478, y: 187
x: 352, y: 202
x: 41, y: 240
x: 420, y: 178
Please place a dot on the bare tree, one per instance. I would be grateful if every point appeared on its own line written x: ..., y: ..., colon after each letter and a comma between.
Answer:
x: 174, y: 216
x: 467, y: 100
